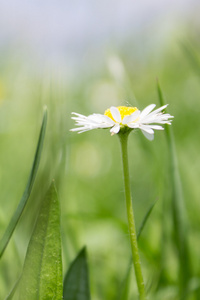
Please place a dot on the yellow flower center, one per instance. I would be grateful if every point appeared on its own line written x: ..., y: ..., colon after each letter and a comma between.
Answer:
x: 124, y: 111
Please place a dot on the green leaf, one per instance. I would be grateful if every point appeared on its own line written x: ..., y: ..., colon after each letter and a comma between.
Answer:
x: 17, y: 214
x: 42, y: 272
x: 76, y: 283
x: 178, y: 209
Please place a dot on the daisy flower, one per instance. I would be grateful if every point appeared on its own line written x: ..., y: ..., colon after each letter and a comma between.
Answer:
x: 125, y: 118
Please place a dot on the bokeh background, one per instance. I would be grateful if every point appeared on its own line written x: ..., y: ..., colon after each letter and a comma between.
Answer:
x: 85, y: 56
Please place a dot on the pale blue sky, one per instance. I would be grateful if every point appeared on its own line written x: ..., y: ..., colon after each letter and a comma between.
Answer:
x: 71, y: 29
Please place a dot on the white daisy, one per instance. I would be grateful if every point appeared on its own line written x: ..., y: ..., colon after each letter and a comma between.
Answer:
x: 122, y: 117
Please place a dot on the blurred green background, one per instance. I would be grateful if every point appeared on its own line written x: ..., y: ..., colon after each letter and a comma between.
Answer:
x: 87, y: 168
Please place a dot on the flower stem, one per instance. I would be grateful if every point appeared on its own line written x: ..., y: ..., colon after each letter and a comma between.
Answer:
x: 123, y: 136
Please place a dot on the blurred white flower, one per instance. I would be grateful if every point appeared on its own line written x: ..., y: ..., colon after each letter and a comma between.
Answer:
x: 123, y: 117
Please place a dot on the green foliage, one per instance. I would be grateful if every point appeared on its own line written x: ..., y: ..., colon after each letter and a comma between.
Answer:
x: 42, y: 272
x: 76, y: 283
x: 13, y: 291
x: 146, y: 217
x: 178, y: 211
x: 124, y: 290
x: 17, y: 214
x: 87, y: 171
x: 191, y: 56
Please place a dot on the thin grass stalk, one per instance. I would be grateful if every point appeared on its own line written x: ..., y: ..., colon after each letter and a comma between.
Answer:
x: 178, y: 211
x: 130, y: 215
x: 124, y: 291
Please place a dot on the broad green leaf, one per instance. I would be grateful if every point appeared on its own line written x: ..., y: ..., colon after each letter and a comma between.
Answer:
x: 125, y: 286
x: 178, y: 209
x: 76, y: 283
x: 42, y: 272
x: 17, y: 214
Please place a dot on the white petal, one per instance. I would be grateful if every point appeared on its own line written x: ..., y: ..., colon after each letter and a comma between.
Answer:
x: 102, y: 120
x: 156, y: 117
x: 108, y: 120
x: 79, y: 115
x: 158, y: 110
x: 147, y: 129
x: 157, y: 127
x: 131, y: 118
x: 147, y: 110
x: 148, y: 135
x: 116, y: 114
x: 133, y: 125
x: 75, y: 129
x: 81, y: 129
x: 90, y: 122
x: 115, y: 129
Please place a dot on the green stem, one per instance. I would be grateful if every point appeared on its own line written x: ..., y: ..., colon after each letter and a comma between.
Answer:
x: 123, y: 136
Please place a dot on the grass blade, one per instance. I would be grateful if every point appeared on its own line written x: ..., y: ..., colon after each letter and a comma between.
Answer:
x: 12, y: 292
x: 17, y: 214
x: 125, y: 286
x: 42, y: 272
x: 192, y: 57
x: 178, y: 210
x: 76, y: 283
x: 145, y: 220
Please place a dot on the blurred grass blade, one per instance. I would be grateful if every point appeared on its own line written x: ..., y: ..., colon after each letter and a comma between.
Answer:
x: 17, y: 214
x: 125, y: 286
x: 42, y: 272
x: 76, y: 282
x: 145, y: 220
x: 192, y: 57
x: 178, y: 209
x: 12, y: 293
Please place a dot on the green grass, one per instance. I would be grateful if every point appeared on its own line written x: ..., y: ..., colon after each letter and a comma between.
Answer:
x: 88, y: 173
